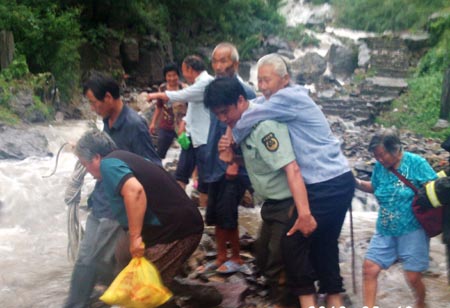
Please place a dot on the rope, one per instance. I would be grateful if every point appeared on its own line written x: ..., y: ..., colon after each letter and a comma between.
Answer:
x: 75, y: 232
x: 56, y: 162
x: 72, y: 198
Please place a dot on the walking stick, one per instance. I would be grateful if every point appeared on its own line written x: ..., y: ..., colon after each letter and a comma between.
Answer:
x: 352, y: 240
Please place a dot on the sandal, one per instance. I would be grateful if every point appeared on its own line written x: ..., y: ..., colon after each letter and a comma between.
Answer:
x: 229, y: 267
x: 207, y: 267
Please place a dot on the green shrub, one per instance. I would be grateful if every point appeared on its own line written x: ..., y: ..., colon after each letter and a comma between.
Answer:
x: 6, y: 116
x: 17, y: 69
x: 418, y: 109
x: 207, y: 22
x: 47, y: 112
x: 299, y: 36
x: 438, y: 57
x: 383, y: 15
x: 48, y: 36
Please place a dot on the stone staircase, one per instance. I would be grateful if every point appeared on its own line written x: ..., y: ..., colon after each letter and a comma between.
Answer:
x: 389, y: 56
x: 359, y: 109
x: 391, y: 59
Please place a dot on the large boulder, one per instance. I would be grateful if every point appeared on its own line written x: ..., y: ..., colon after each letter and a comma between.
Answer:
x: 308, y: 68
x: 18, y: 143
x: 342, y: 60
x: 22, y: 103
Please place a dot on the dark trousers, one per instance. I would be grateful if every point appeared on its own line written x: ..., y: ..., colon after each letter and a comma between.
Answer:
x: 223, y: 201
x: 317, y: 257
x: 165, y: 139
x: 189, y: 159
x: 275, y: 216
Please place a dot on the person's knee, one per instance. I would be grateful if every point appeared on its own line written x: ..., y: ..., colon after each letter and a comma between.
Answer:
x: 370, y: 270
x: 413, y: 278
x: 84, y: 260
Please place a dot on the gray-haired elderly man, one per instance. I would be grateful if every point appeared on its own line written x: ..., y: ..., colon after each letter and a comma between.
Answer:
x: 290, y: 152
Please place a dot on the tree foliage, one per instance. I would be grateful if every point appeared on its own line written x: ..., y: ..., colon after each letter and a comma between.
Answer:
x: 48, y: 36
x: 194, y: 23
x: 49, y: 33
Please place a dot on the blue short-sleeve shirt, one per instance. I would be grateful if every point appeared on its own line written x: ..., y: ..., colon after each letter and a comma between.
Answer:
x: 115, y: 172
x: 395, y: 216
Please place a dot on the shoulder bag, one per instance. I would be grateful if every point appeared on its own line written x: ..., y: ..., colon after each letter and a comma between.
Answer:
x: 431, y: 219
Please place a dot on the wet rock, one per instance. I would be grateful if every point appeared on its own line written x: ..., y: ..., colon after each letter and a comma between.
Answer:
x: 416, y: 41
x: 384, y: 86
x: 22, y: 103
x: 389, y: 56
x: 17, y: 143
x: 195, y: 294
x: 440, y: 125
x: 275, y: 43
x: 342, y: 60
x: 309, y: 67
x: 355, y: 142
x: 352, y: 107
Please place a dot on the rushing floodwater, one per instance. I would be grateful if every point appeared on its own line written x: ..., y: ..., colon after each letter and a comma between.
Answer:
x: 35, y: 270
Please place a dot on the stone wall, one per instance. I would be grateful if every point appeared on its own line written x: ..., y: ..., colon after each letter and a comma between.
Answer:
x: 140, y: 58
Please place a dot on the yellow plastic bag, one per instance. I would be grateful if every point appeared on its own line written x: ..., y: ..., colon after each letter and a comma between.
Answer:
x: 138, y: 285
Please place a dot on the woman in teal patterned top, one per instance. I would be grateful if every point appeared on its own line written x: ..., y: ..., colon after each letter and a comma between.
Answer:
x: 398, y: 236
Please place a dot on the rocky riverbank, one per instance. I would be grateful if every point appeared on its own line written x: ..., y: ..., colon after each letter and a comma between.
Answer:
x: 246, y: 289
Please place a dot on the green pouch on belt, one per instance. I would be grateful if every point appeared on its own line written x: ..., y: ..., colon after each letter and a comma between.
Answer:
x: 184, y: 141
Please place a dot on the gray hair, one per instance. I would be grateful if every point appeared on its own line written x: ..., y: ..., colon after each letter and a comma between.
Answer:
x: 234, y: 52
x: 279, y: 65
x: 94, y: 143
x: 388, y: 139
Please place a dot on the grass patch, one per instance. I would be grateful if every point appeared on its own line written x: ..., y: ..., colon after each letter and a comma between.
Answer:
x: 7, y: 117
x: 418, y: 109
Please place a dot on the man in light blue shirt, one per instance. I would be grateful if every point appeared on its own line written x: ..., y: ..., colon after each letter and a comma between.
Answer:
x: 197, y: 121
